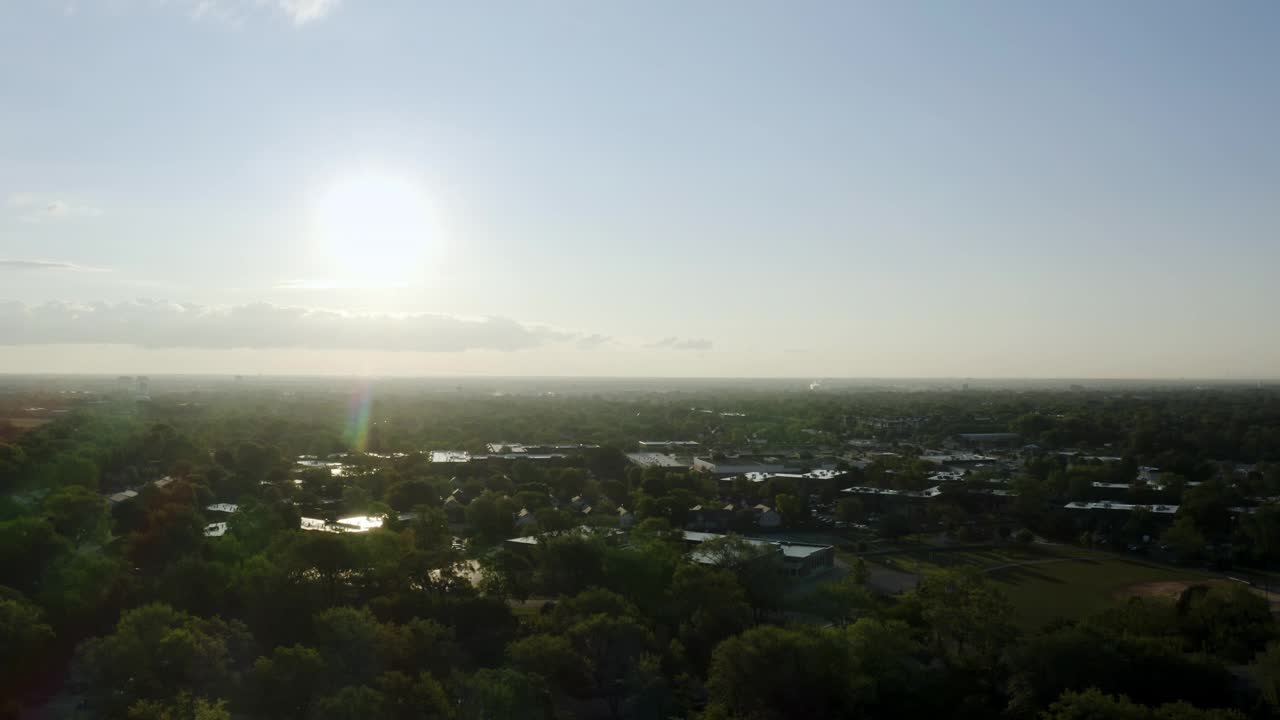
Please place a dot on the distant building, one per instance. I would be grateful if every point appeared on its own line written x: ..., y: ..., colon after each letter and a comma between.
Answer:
x: 988, y: 439
x: 524, y: 519
x: 357, y: 523
x: 511, y: 448
x: 709, y: 518
x: 767, y: 517
x: 122, y: 496
x: 661, y: 460
x: 799, y: 560
x: 1127, y: 507
x: 455, y: 509
x: 625, y: 518
x: 526, y: 543
x: 741, y: 465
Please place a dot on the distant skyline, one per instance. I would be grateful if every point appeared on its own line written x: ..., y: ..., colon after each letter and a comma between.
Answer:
x: 736, y: 189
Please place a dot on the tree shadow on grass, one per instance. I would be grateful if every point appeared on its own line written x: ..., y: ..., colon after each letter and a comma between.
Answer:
x: 1025, y: 573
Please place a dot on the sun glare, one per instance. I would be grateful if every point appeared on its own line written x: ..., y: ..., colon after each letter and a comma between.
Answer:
x: 374, y: 229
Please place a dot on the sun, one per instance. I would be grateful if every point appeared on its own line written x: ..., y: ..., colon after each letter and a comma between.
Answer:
x: 374, y: 229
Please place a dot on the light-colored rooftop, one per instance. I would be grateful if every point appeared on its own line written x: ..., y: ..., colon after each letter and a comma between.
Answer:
x: 657, y: 459
x: 450, y: 456
x: 1163, y: 509
x: 789, y: 550
x: 356, y: 523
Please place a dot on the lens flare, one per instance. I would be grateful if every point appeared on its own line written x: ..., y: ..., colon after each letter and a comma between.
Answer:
x: 359, y: 410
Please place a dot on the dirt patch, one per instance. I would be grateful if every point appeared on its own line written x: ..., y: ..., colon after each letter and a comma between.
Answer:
x: 1171, y: 589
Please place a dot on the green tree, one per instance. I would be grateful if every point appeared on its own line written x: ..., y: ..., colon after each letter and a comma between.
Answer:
x: 611, y: 646
x: 795, y: 511
x: 502, y: 694
x: 1230, y: 622
x: 771, y: 673
x: 24, y: 639
x: 1262, y: 529
x: 1185, y: 539
x: 1094, y: 705
x: 850, y: 510
x: 353, y: 702
x: 710, y: 606
x: 356, y: 648
x: 843, y: 601
x: 1265, y: 671
x: 28, y: 546
x: 78, y: 514
x: 554, y: 658
x: 757, y: 566
x: 507, y: 575
x: 551, y: 520
x: 13, y: 461
x: 969, y: 620
x: 156, y: 653
x: 185, y: 707
x: 286, y: 683
x: 413, y: 698
x: 492, y: 516
x: 76, y: 471
x: 82, y: 591
x: 568, y: 564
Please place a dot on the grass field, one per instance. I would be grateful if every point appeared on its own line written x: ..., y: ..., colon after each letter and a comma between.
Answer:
x: 1078, y: 586
x: 1043, y: 582
x: 26, y: 423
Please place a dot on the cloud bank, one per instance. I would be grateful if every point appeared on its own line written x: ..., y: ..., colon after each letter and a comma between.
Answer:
x: 46, y: 265
x: 159, y: 324
x: 299, y: 12
x: 35, y: 208
x: 674, y: 343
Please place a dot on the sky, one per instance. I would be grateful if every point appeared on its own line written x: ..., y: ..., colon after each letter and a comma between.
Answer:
x: 719, y: 188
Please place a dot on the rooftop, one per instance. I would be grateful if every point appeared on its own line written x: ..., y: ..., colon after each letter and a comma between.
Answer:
x: 357, y: 523
x: 1163, y: 509
x: 789, y: 550
x: 656, y: 459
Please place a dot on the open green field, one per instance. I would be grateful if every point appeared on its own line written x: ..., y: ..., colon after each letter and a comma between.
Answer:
x: 1043, y: 582
x: 1078, y: 586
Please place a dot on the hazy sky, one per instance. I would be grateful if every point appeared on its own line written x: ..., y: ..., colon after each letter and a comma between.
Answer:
x: 738, y: 188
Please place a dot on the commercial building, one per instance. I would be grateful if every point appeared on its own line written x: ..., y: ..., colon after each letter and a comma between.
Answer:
x: 799, y: 560
x: 660, y: 460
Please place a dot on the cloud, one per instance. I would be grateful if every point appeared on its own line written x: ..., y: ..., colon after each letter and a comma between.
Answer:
x: 46, y: 265
x: 674, y: 343
x: 324, y: 284
x: 234, y: 12
x: 299, y: 12
x: 304, y: 11
x: 592, y: 341
x: 161, y: 324
x: 35, y: 207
